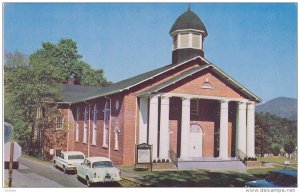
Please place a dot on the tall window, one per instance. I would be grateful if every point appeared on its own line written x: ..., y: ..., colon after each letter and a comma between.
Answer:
x: 59, y: 122
x: 77, y: 125
x: 38, y: 112
x: 194, y: 107
x: 85, y: 125
x: 106, y: 112
x: 117, y: 131
x: 95, y: 125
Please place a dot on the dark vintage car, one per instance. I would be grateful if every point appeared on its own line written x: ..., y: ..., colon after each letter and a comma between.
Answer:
x: 278, y: 178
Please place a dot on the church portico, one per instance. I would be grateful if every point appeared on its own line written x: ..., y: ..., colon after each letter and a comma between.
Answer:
x: 207, y: 126
x: 190, y: 111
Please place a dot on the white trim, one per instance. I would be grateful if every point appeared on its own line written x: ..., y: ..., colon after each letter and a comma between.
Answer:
x: 202, y: 97
x: 105, y: 125
x: 84, y: 140
x: 95, y: 113
x: 242, y: 88
x: 188, y: 30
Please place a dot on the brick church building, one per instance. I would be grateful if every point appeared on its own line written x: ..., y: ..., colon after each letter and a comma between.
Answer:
x: 189, y: 110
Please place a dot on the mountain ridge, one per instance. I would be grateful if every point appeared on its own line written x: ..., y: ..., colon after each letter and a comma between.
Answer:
x: 284, y: 107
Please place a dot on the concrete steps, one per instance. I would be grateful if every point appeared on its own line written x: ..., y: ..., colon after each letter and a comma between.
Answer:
x: 211, y: 164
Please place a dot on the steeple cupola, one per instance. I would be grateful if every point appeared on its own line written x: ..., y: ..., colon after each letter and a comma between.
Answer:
x: 188, y: 33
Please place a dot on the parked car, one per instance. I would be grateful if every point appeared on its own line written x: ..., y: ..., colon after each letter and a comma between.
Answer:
x: 98, y: 169
x: 68, y: 160
x: 278, y: 178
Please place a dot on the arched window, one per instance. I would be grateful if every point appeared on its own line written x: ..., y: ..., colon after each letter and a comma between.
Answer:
x: 106, y: 112
x: 95, y: 125
x: 85, y: 125
x: 77, y: 125
x: 117, y: 131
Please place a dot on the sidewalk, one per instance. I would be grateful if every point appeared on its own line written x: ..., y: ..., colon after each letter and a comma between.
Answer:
x: 24, y: 178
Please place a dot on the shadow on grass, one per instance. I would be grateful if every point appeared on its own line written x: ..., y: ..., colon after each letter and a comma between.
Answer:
x: 196, y: 178
x: 107, y: 184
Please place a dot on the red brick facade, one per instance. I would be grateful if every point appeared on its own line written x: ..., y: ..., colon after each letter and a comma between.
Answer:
x: 126, y: 116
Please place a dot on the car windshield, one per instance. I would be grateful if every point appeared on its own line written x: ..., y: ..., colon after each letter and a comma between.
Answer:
x: 102, y: 164
x: 75, y: 157
x: 281, y: 179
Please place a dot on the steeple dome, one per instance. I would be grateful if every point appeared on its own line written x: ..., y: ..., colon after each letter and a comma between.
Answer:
x: 188, y: 33
x: 188, y: 20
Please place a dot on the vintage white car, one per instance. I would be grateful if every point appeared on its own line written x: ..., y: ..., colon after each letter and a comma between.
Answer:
x: 68, y: 160
x: 98, y: 169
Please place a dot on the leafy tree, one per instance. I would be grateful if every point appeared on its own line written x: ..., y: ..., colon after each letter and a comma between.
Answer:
x: 14, y: 59
x: 26, y: 88
x: 64, y: 56
x: 289, y: 148
x: 271, y: 129
x: 275, y: 149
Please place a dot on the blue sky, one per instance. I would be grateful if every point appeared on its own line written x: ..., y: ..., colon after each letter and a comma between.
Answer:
x: 254, y: 43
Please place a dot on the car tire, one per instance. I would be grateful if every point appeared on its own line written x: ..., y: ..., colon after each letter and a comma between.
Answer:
x: 88, y: 182
x: 65, y: 170
x: 54, y: 164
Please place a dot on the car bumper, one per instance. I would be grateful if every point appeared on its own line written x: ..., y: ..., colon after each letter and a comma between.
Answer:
x: 71, y: 168
x: 103, y: 180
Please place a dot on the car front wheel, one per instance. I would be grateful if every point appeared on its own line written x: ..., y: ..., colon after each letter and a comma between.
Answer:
x: 88, y: 182
x: 65, y: 170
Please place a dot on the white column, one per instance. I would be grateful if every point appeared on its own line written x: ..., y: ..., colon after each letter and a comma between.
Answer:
x: 164, y: 145
x: 241, y: 130
x: 143, y: 122
x: 185, y: 127
x: 153, y: 125
x: 224, y: 130
x: 251, y: 130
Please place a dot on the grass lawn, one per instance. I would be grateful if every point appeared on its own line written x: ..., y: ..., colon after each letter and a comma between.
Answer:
x: 196, y: 178
x: 276, y: 159
x: 200, y: 178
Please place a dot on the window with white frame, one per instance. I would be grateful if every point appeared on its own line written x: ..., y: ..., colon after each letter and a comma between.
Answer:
x: 194, y: 107
x: 77, y: 125
x: 95, y: 125
x: 59, y: 122
x: 85, y: 125
x: 106, y: 112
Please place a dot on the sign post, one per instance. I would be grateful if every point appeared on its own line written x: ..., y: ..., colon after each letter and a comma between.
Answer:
x: 12, y: 153
x: 143, y: 155
x: 11, y: 158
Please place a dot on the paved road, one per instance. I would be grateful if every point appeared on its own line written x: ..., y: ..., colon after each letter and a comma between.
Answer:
x: 33, y: 173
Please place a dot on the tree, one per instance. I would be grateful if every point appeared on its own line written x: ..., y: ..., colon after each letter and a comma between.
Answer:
x: 289, y: 148
x: 65, y: 57
x: 26, y: 88
x: 271, y: 129
x: 275, y: 149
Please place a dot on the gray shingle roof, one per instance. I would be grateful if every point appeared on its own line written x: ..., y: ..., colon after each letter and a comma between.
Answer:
x: 188, y: 20
x: 73, y: 93
x: 78, y: 93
